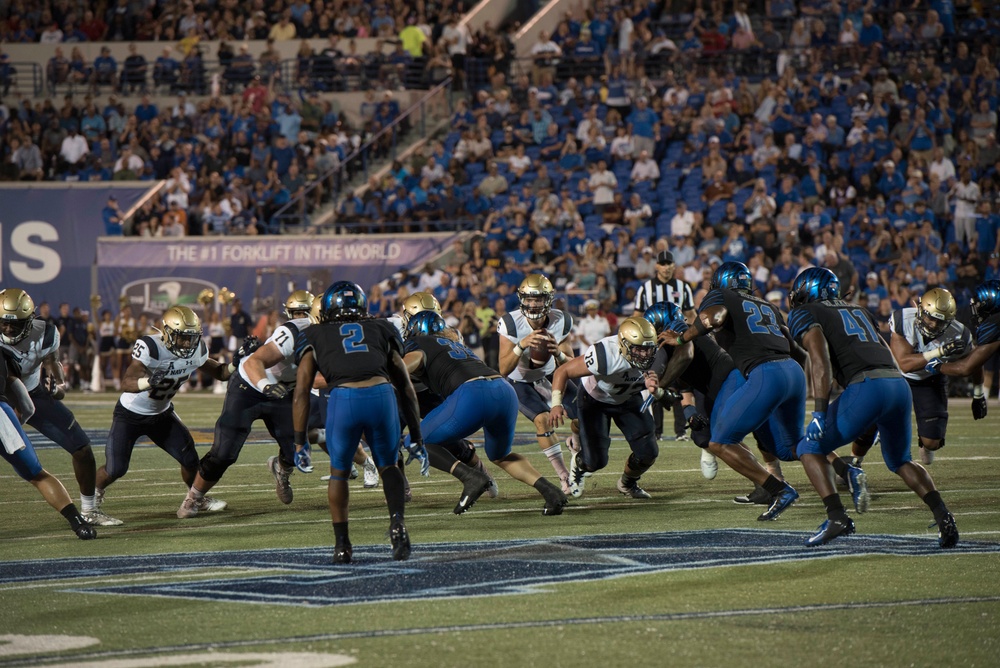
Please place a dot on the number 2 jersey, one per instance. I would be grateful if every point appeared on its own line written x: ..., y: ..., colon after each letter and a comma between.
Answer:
x: 348, y: 352
x: 151, y: 352
x: 284, y: 338
x: 614, y: 379
x: 752, y: 333
x: 904, y: 323
x: 42, y: 340
x: 851, y: 334
x: 514, y: 327
x: 447, y: 364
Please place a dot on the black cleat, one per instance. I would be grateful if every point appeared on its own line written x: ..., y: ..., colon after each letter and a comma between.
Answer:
x: 342, y: 553
x: 400, y: 540
x: 474, y: 487
x: 85, y: 531
x: 947, y: 531
x: 759, y: 496
x: 829, y: 530
x: 555, y: 499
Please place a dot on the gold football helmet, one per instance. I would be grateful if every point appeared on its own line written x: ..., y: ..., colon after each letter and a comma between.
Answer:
x: 17, y: 311
x: 181, y: 331
x: 315, y: 312
x: 535, y: 295
x: 935, y: 311
x: 637, y: 341
x: 298, y: 304
x: 419, y: 302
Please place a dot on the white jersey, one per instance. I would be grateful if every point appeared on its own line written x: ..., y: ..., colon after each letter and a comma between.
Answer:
x: 397, y: 322
x: 42, y: 340
x: 903, y: 323
x: 106, y: 329
x: 151, y: 352
x: 515, y: 326
x: 614, y: 380
x: 284, y: 337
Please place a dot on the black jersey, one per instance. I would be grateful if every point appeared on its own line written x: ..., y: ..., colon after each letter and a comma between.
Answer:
x: 851, y: 334
x: 709, y: 367
x: 752, y: 333
x: 988, y: 330
x: 350, y: 351
x: 447, y: 363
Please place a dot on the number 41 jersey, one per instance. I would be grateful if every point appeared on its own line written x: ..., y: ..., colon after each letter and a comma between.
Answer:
x: 150, y: 351
x: 752, y: 332
x: 851, y: 334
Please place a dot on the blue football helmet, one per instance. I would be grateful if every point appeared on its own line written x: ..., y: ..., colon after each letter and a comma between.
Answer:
x: 343, y: 300
x: 664, y: 316
x: 815, y: 284
x: 425, y: 323
x: 986, y: 299
x: 734, y: 276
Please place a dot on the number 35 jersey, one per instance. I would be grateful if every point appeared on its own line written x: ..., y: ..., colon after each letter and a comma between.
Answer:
x: 851, y: 334
x: 752, y: 332
x: 151, y: 353
x: 284, y: 338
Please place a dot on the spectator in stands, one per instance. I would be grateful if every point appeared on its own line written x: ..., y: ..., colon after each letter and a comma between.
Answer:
x: 645, y: 169
x: 545, y: 55
x: 114, y: 219
x: 105, y: 69
x: 74, y: 147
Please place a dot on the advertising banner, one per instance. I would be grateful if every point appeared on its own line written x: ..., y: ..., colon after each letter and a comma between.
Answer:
x: 152, y: 275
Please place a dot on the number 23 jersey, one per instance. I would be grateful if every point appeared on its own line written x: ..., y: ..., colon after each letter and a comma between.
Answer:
x: 752, y: 331
x: 151, y: 353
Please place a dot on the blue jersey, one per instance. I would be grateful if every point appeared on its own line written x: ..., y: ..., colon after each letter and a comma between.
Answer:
x: 753, y: 332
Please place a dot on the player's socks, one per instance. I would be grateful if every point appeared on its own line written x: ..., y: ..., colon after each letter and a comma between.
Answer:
x: 834, y: 507
x: 394, y: 487
x: 556, y: 458
x: 441, y: 459
x: 773, y: 485
x: 936, y: 504
x: 80, y: 527
x: 87, y: 503
x: 195, y: 493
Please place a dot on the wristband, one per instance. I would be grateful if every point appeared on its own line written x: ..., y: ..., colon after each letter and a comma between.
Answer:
x: 977, y: 391
x: 231, y: 368
x: 932, y: 354
x: 518, y: 350
x: 557, y: 397
x: 820, y: 405
x: 299, y: 439
x: 143, y: 384
x: 562, y: 357
x: 262, y: 383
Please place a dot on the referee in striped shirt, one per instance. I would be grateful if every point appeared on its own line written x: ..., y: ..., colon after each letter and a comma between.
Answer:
x: 664, y: 287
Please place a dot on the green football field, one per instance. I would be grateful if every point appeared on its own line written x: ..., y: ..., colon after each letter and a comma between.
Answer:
x: 687, y: 578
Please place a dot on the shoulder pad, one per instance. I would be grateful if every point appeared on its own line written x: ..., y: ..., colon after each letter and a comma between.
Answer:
x: 154, y: 350
x: 49, y: 335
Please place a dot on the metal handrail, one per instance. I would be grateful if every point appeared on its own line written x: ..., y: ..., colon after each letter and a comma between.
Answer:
x: 12, y: 86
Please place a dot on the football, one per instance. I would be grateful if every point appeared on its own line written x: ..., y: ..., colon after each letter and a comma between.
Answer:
x: 540, y: 354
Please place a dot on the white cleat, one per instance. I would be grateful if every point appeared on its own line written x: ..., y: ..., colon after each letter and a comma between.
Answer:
x: 371, y: 474
x: 211, y: 505
x: 709, y: 465
x: 575, y: 477
x: 97, y: 518
x: 188, y: 509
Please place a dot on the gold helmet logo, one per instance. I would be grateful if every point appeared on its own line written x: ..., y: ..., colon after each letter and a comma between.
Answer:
x: 419, y: 302
x: 637, y: 342
x: 935, y: 311
x: 535, y: 295
x: 181, y: 331
x: 298, y: 304
x: 17, y: 311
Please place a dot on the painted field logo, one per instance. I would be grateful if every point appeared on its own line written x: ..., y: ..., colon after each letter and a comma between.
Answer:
x: 305, y: 577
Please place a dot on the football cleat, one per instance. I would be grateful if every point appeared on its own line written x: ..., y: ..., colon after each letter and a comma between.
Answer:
x: 208, y: 504
x: 682, y: 437
x: 342, y: 553
x: 858, y: 482
x: 576, y: 476
x: 926, y: 456
x: 555, y: 498
x: 829, y: 530
x: 947, y: 531
x: 325, y: 478
x: 781, y: 502
x: 281, y: 485
x: 97, y: 518
x: 400, y: 540
x: 353, y: 475
x: 407, y: 494
x: 758, y: 496
x: 709, y: 465
x: 188, y: 509
x: 371, y: 474
x: 476, y: 485
x: 494, y: 489
x: 84, y: 531
x: 632, y: 490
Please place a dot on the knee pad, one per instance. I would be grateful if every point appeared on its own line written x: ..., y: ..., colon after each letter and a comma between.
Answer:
x: 212, y: 468
x: 928, y: 447
x: 467, y: 452
x: 638, y: 465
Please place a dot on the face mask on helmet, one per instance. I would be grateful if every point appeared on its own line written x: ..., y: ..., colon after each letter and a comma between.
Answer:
x: 535, y: 306
x: 929, y: 325
x: 639, y: 356
x: 14, y: 330
x: 181, y: 343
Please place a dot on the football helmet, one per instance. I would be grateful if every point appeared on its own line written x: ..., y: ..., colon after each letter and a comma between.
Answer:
x: 181, y: 331
x: 417, y: 303
x: 17, y: 311
x: 425, y: 323
x: 637, y: 341
x: 664, y: 316
x: 935, y: 311
x: 815, y: 284
x: 535, y: 295
x: 986, y: 299
x: 315, y: 310
x: 344, y: 300
x: 734, y: 276
x: 298, y: 304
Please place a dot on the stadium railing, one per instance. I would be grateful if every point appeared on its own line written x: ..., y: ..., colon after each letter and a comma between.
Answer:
x: 21, y: 79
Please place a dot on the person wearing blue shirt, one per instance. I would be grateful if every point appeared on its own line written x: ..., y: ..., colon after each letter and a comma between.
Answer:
x: 146, y: 111
x: 642, y: 126
x: 105, y: 67
x: 114, y: 220
x: 282, y: 154
x: 289, y: 123
x: 586, y: 48
x: 987, y: 226
x: 891, y: 183
x: 601, y: 29
x: 870, y: 32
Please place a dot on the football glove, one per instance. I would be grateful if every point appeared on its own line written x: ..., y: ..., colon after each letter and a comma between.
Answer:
x: 303, y: 459
x: 250, y: 344
x: 157, y: 377
x: 932, y: 367
x: 54, y: 388
x: 275, y: 391
x: 670, y: 396
x: 695, y: 420
x: 978, y: 408
x: 952, y: 347
x: 419, y: 453
x: 814, y: 432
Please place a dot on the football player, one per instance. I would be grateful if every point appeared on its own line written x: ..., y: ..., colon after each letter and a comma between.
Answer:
x: 615, y: 371
x: 986, y: 310
x: 260, y: 390
x: 33, y: 344
x: 17, y: 450
x: 919, y: 335
x: 161, y: 364
x: 537, y: 325
x: 360, y: 358
x: 772, y: 400
x: 703, y: 366
x: 475, y: 397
